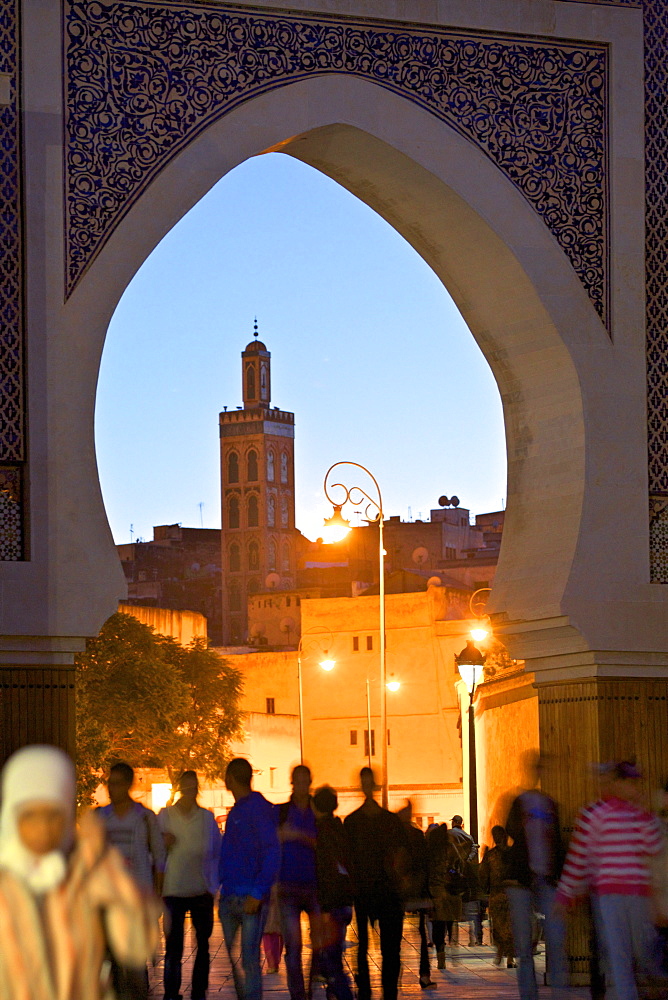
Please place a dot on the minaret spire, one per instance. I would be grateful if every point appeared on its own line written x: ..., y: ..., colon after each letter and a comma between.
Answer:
x: 256, y: 361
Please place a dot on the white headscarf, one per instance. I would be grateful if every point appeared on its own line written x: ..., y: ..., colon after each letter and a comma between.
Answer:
x: 36, y: 774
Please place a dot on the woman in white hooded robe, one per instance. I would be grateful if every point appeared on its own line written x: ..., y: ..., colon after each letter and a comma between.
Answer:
x: 66, y: 898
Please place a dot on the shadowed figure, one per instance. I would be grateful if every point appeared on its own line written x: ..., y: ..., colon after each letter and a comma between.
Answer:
x: 379, y: 859
x: 532, y: 866
x: 296, y: 891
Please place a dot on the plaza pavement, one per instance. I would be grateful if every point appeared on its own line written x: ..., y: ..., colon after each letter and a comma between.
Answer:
x: 473, y: 977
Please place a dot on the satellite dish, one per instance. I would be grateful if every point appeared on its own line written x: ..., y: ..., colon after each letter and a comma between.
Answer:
x: 255, y: 630
x: 434, y: 581
x: 288, y: 624
x: 455, y: 501
x: 272, y: 580
x: 420, y: 555
x: 443, y: 502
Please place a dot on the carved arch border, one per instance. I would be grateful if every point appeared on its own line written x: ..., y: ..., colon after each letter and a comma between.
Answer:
x: 144, y: 79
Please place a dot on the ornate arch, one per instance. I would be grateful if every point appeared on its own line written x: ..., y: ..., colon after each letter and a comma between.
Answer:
x: 143, y: 81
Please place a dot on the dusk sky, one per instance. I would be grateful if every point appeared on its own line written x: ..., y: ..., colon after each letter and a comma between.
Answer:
x: 367, y: 349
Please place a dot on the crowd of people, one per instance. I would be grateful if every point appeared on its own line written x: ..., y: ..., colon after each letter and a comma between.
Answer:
x: 79, y: 905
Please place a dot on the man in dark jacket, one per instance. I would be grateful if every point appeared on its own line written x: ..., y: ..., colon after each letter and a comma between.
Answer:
x: 335, y: 892
x: 532, y: 869
x: 379, y: 860
x: 468, y: 852
x: 416, y: 896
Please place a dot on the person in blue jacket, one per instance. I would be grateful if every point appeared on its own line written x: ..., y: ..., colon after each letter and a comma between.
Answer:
x: 249, y: 859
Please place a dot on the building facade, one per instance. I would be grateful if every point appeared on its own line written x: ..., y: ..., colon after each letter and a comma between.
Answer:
x: 180, y: 570
x: 424, y: 716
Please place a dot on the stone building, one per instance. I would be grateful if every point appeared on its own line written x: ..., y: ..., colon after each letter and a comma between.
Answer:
x: 179, y: 569
x: 257, y: 494
x: 425, y: 759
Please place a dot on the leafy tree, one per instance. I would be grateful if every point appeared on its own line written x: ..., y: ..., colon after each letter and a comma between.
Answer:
x: 143, y: 698
x: 213, y: 717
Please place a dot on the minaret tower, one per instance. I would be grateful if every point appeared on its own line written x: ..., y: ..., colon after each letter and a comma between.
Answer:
x: 258, y: 494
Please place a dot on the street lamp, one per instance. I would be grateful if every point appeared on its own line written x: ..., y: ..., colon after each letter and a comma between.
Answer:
x: 326, y: 663
x: 470, y: 663
x: 477, y: 604
x: 373, y: 508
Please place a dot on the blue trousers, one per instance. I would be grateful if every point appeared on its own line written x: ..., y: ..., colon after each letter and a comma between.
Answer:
x: 523, y: 903
x: 233, y: 919
x: 293, y: 900
x: 625, y: 926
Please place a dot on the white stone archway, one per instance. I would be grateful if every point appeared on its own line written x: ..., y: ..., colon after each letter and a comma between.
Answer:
x: 548, y: 271
x: 553, y: 359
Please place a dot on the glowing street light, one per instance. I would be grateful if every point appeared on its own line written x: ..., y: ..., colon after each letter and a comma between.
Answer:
x: 374, y: 513
x: 335, y: 527
x: 482, y: 630
x: 393, y: 685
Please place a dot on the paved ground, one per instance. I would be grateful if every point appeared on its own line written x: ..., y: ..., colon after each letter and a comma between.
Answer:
x: 473, y: 976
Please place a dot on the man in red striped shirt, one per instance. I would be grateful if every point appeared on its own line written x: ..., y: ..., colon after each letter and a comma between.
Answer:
x: 608, y: 858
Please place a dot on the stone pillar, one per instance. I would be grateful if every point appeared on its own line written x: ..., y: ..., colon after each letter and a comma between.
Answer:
x: 593, y: 720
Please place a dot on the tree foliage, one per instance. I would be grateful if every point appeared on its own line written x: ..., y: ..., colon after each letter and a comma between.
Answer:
x: 143, y: 698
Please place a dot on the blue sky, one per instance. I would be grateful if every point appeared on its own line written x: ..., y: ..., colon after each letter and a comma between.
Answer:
x: 368, y: 350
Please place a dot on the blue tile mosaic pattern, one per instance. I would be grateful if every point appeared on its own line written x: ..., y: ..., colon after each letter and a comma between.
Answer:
x: 658, y: 539
x: 11, y: 514
x: 11, y: 320
x: 12, y: 401
x: 144, y: 79
x: 656, y: 241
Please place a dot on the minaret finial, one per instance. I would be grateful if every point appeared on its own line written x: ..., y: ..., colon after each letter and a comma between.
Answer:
x: 255, y: 328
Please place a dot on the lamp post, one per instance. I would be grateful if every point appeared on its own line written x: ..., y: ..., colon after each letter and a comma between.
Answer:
x: 470, y: 663
x: 373, y: 508
x: 326, y: 663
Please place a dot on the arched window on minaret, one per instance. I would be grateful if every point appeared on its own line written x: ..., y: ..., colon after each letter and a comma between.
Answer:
x: 270, y: 466
x: 271, y: 511
x: 251, y: 466
x: 250, y: 382
x: 273, y: 556
x: 234, y: 596
x: 235, y: 558
x: 284, y: 467
x: 233, y: 467
x: 285, y: 558
x: 233, y: 513
x: 253, y: 515
x: 253, y: 556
